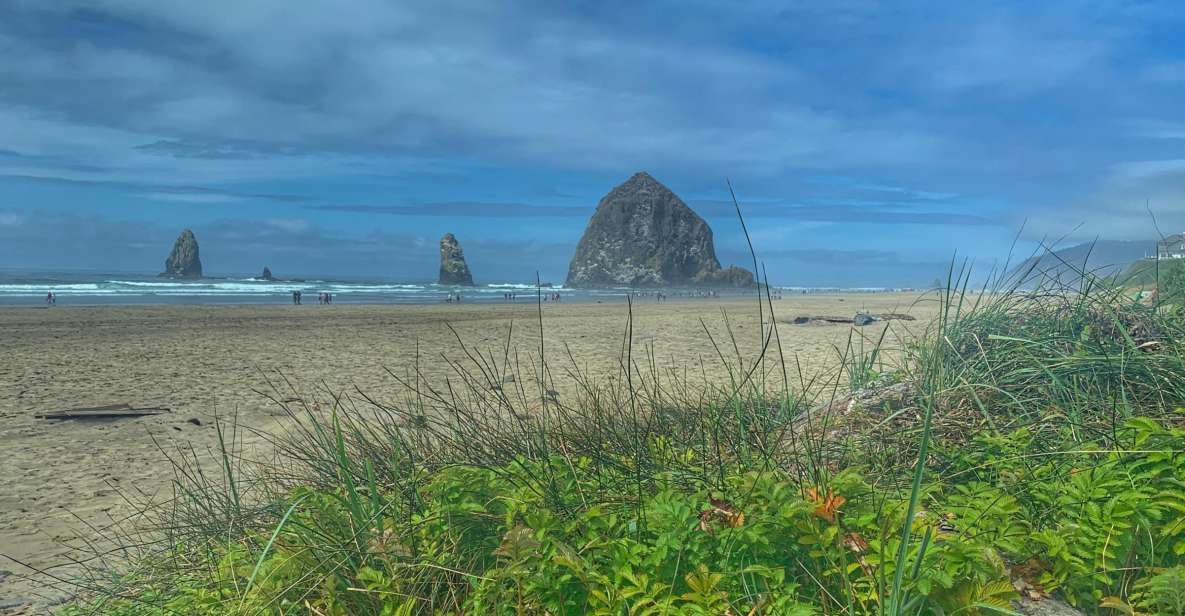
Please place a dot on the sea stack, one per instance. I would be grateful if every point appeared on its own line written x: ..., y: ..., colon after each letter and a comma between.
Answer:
x: 453, y: 269
x: 183, y: 261
x: 267, y: 274
x: 644, y: 235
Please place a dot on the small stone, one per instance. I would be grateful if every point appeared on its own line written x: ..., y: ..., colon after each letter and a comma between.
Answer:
x: 13, y: 603
x: 194, y: 420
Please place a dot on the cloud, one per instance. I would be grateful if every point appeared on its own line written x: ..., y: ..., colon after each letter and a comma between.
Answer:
x: 844, y: 212
x: 458, y: 209
x: 11, y: 219
x: 187, y: 194
x: 227, y: 150
x: 290, y: 225
x: 510, y: 81
x: 840, y: 113
x: 1132, y: 201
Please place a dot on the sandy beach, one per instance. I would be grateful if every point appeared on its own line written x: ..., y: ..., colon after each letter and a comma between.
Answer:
x: 64, y: 481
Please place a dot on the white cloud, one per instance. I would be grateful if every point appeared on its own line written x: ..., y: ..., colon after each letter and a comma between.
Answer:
x: 290, y: 225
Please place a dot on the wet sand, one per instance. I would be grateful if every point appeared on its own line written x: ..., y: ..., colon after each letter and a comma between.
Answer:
x: 63, y: 481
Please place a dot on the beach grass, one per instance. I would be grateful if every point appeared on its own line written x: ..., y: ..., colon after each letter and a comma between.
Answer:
x: 1030, y: 444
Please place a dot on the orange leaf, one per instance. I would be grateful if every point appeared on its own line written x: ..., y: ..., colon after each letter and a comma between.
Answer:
x: 826, y: 506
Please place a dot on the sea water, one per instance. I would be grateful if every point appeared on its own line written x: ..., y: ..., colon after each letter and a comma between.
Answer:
x: 26, y: 288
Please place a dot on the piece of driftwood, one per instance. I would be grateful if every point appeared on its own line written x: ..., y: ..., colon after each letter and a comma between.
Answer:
x: 805, y: 320
x: 862, y: 318
x: 110, y: 411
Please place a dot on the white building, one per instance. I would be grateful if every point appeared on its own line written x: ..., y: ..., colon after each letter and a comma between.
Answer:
x: 1171, y: 247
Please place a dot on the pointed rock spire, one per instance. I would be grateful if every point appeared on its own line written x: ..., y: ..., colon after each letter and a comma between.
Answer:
x: 453, y: 269
x: 183, y: 261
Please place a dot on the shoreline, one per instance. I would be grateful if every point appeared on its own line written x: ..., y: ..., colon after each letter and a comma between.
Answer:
x: 570, y: 296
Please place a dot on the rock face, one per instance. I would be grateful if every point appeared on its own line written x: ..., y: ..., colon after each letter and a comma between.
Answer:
x: 643, y: 235
x: 183, y: 261
x: 453, y: 269
x: 267, y: 274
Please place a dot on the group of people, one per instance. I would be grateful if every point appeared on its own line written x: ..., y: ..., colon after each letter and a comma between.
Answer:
x: 322, y: 298
x: 453, y: 297
x: 51, y: 298
x: 548, y: 297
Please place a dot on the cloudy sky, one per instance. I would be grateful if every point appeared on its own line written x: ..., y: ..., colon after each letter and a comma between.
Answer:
x: 867, y: 141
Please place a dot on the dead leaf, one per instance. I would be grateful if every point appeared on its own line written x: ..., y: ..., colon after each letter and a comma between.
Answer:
x: 826, y: 506
x: 721, y: 511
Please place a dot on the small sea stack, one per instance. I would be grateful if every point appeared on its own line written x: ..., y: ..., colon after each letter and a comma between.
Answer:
x: 267, y: 274
x: 453, y: 269
x: 183, y: 261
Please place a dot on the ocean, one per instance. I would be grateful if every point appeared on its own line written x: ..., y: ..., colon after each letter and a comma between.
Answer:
x: 98, y: 288
x: 26, y: 288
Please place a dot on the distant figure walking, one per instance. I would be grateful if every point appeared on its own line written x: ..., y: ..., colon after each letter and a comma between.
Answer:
x: 50, y: 298
x: 296, y: 298
x: 328, y: 297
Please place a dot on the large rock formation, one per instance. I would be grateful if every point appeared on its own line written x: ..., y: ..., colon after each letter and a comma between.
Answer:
x: 183, y: 261
x: 453, y: 269
x: 643, y: 235
x: 267, y: 274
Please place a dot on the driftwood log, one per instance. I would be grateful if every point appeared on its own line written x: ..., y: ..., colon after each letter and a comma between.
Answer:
x: 862, y: 318
x: 110, y: 411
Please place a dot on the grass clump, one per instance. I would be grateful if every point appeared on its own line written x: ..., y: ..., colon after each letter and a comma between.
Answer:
x: 1038, y: 451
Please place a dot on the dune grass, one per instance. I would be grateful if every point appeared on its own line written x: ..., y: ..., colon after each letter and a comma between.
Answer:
x: 1037, y: 449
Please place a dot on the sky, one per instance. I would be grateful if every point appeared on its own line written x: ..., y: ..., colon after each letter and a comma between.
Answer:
x: 868, y: 143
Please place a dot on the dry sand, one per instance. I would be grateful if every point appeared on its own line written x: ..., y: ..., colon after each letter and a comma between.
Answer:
x: 63, y: 480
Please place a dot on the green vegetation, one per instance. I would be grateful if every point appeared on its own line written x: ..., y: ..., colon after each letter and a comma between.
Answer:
x: 1166, y: 274
x: 1039, y: 450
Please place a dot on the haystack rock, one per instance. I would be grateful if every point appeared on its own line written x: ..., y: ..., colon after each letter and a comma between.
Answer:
x: 453, y: 269
x: 267, y: 274
x: 643, y: 235
x: 183, y: 261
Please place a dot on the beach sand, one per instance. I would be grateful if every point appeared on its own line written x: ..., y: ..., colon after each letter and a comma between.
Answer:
x: 65, y: 481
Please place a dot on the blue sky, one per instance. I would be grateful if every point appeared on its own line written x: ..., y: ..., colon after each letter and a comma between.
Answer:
x: 867, y: 141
